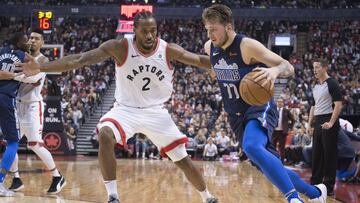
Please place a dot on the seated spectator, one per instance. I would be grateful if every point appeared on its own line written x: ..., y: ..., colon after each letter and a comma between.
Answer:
x: 200, y: 141
x: 293, y: 152
x: 234, y: 144
x: 95, y: 139
x: 213, y: 136
x: 152, y: 151
x: 71, y: 138
x: 140, y: 143
x: 223, y: 143
x: 210, y: 151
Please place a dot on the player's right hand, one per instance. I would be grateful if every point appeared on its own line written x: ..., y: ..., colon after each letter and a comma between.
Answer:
x: 30, y: 67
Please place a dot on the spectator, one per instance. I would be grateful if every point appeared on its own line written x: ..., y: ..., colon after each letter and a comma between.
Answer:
x: 71, y: 138
x: 210, y: 151
x: 200, y: 141
x: 285, y: 122
x: 234, y: 144
x: 140, y: 144
x: 294, y: 152
x: 223, y: 143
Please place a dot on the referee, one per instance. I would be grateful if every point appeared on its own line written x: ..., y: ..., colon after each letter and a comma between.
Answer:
x: 325, y: 112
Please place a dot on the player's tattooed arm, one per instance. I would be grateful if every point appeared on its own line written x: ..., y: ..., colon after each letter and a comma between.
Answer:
x: 285, y: 69
x: 176, y: 52
x: 104, y: 51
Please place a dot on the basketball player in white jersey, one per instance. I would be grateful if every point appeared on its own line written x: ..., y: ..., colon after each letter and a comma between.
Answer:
x: 30, y: 110
x: 143, y: 84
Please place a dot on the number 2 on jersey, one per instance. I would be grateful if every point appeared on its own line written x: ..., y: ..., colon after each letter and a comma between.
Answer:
x: 230, y: 86
x: 145, y: 87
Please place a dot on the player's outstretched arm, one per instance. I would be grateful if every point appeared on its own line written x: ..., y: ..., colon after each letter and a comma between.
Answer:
x: 177, y: 53
x: 5, y: 75
x: 103, y: 52
x: 254, y: 52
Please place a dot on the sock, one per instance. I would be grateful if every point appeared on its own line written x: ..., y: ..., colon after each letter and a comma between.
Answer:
x: 46, y: 157
x: 254, y: 144
x: 14, y: 169
x: 8, y: 158
x: 303, y: 187
x: 205, y: 195
x: 55, y: 173
x: 292, y: 195
x: 111, y: 188
x: 16, y: 174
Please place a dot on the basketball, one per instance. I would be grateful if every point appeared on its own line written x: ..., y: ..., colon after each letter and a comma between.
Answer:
x: 253, y: 93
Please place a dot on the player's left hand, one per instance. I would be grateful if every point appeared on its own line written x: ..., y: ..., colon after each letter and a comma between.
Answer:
x: 30, y: 67
x: 327, y: 125
x: 268, y: 74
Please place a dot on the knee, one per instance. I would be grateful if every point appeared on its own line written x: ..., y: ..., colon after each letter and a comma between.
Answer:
x: 34, y: 145
x: 251, y: 148
x: 106, y: 136
x: 12, y: 146
x: 184, y: 163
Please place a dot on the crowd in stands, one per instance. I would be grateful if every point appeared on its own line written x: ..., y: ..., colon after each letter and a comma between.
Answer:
x: 196, y: 105
x: 202, y: 3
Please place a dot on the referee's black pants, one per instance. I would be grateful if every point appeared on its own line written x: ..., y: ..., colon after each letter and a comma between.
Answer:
x: 324, y: 156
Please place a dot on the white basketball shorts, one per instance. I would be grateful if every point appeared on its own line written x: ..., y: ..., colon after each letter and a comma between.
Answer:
x: 154, y: 122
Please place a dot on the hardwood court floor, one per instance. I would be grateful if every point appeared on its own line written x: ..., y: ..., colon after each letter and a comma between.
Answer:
x: 144, y: 181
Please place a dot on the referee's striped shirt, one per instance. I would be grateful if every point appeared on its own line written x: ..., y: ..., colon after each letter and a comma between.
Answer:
x: 324, y: 95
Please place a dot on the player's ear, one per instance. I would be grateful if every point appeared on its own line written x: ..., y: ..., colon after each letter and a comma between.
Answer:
x: 228, y: 27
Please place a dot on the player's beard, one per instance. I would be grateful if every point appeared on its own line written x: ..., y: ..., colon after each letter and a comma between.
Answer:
x: 223, y: 42
x: 148, y: 47
x: 226, y: 38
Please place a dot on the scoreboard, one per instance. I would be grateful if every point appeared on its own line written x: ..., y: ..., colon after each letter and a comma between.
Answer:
x: 42, y: 19
x: 128, y: 12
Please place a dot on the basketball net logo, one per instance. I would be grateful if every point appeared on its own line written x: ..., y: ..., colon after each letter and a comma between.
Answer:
x: 52, y: 141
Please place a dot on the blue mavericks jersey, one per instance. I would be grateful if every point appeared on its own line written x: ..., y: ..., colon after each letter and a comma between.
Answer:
x: 8, y: 58
x: 230, y: 69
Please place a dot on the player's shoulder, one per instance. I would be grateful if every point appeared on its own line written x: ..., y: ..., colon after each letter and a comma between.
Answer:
x: 248, y: 42
x: 42, y: 59
x: 207, y: 47
x: 115, y: 47
x: 115, y: 44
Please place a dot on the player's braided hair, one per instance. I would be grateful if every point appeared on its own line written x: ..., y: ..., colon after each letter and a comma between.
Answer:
x: 142, y: 15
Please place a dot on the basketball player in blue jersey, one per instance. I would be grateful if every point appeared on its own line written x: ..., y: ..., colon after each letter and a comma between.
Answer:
x: 15, y: 53
x: 233, y: 56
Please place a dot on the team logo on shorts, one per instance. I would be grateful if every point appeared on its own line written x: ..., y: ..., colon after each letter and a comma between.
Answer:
x: 52, y: 141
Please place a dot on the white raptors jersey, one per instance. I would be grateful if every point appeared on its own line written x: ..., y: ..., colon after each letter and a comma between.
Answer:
x: 144, y: 80
x: 30, y: 93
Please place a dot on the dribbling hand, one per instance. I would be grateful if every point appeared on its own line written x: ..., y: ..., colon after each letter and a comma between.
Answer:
x: 267, y: 75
